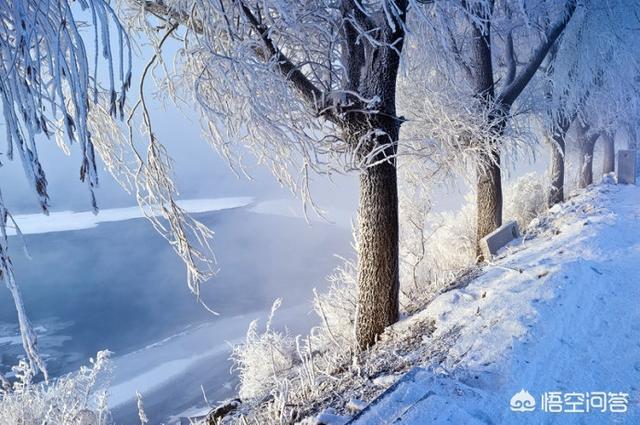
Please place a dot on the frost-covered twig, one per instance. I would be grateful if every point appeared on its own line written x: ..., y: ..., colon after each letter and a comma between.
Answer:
x: 48, y: 85
x: 29, y: 340
x: 48, y: 80
x: 141, y: 413
x: 155, y: 191
x: 77, y: 398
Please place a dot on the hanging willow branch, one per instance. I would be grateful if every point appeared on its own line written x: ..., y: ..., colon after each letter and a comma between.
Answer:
x: 48, y: 84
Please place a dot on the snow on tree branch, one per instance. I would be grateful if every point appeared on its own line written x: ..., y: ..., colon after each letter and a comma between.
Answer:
x: 27, y: 333
x: 593, y: 74
x: 51, y: 74
x: 47, y: 82
x: 519, y: 82
x: 270, y: 78
x: 47, y: 78
x: 146, y: 172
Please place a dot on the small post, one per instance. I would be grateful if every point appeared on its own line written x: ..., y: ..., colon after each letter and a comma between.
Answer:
x: 626, y: 173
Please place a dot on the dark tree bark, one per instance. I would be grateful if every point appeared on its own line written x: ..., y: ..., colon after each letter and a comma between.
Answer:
x: 556, y: 171
x: 586, y: 143
x: 372, y: 72
x: 488, y: 198
x: 378, y: 227
x: 378, y: 283
x: 608, y: 144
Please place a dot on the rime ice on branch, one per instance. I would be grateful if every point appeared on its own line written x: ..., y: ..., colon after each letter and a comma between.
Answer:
x: 49, y: 79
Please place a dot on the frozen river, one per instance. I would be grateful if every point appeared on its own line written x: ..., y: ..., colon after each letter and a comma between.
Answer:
x: 113, y: 283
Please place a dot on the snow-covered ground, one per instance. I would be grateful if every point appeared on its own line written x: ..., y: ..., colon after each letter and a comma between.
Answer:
x: 549, y: 333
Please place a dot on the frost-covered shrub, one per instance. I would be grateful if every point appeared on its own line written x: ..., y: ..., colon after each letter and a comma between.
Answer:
x: 76, y: 399
x: 525, y: 199
x: 292, y: 370
x: 336, y: 306
x: 263, y: 358
x: 437, y: 247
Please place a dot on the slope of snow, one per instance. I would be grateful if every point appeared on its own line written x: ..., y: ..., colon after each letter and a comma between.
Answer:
x: 69, y: 220
x: 556, y: 314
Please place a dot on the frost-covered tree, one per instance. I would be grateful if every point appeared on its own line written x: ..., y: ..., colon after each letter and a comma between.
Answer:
x: 606, y: 108
x: 514, y: 80
x: 590, y: 78
x: 555, y: 137
x: 556, y: 126
x: 304, y: 86
x: 485, y: 54
x: 586, y: 138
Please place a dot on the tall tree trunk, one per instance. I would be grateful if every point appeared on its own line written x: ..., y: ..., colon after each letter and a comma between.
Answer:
x: 378, y: 282
x: 489, y: 198
x: 608, y: 165
x: 586, y: 142
x: 372, y: 70
x: 378, y: 229
x: 488, y: 183
x: 556, y: 171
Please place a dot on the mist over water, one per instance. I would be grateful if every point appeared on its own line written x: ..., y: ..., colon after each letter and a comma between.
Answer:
x: 119, y: 286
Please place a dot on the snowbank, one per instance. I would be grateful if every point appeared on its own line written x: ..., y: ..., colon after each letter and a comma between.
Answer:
x: 555, y: 320
x: 549, y: 328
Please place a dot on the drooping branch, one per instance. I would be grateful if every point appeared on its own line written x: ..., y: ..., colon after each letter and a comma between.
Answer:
x: 49, y: 85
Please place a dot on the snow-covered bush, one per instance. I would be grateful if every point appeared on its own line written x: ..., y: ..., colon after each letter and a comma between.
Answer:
x: 76, y: 399
x: 525, y: 199
x: 263, y: 358
x: 336, y: 306
x: 435, y: 248
x: 291, y: 370
x: 438, y: 247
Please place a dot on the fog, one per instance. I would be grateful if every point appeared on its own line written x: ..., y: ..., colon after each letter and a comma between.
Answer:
x: 119, y: 286
x: 199, y: 172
